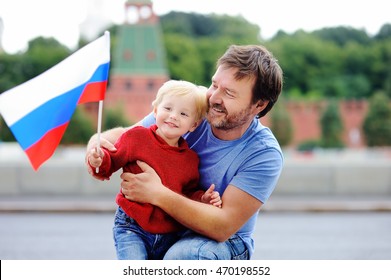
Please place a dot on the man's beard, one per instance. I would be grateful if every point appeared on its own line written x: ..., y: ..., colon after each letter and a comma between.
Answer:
x: 230, y: 121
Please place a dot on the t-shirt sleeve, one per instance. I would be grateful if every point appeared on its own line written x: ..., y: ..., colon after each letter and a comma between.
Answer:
x: 148, y: 120
x: 258, y: 176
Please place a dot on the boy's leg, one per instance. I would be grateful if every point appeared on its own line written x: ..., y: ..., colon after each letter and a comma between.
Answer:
x: 128, y: 238
x: 162, y: 243
x: 193, y: 246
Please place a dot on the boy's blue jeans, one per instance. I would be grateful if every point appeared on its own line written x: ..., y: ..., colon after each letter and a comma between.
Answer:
x: 134, y: 243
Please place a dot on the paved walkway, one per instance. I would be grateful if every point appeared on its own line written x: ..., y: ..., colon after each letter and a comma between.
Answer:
x: 319, y: 228
x: 278, y: 236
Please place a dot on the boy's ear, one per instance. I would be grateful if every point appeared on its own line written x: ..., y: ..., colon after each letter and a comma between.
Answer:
x: 154, y: 112
x: 195, y: 126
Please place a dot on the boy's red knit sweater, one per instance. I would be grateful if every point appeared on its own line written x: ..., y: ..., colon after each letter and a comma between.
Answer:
x: 176, y: 166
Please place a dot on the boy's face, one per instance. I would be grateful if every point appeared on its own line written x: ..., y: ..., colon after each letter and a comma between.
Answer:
x: 176, y: 115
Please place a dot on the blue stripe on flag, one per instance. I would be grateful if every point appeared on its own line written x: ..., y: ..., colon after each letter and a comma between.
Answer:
x: 55, y: 112
x: 100, y: 74
x: 51, y: 114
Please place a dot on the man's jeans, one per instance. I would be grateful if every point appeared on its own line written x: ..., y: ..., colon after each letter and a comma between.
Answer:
x: 193, y: 246
x: 134, y: 243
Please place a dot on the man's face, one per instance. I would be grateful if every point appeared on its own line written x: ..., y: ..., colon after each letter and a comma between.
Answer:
x: 230, y: 105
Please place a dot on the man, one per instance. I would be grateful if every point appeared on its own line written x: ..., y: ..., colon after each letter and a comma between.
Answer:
x: 237, y: 154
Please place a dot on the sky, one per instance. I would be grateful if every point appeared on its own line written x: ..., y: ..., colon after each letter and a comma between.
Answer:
x: 23, y: 20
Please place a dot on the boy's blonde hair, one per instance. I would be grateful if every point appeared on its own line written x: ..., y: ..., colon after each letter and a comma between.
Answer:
x: 183, y: 88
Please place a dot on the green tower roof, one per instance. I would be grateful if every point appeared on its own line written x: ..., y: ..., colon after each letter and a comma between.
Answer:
x: 139, y: 50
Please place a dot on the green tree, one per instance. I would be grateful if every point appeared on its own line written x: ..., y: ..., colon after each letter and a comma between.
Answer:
x: 236, y: 28
x: 342, y: 35
x: 309, y: 63
x: 193, y: 42
x: 12, y: 69
x: 42, y: 54
x: 183, y: 58
x: 193, y: 25
x: 384, y: 32
x: 331, y: 126
x: 377, y: 123
x: 387, y: 84
x: 80, y: 128
x: 281, y: 124
x: 5, y: 133
x: 190, y: 25
x: 343, y: 86
x: 114, y: 117
x: 380, y: 67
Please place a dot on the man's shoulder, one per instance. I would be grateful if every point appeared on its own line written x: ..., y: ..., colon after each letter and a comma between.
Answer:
x: 263, y: 140
x: 265, y: 134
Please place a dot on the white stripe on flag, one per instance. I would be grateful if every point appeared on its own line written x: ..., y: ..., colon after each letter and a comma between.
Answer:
x: 47, y: 85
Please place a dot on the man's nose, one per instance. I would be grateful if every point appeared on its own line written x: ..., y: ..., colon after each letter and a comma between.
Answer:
x: 214, y: 95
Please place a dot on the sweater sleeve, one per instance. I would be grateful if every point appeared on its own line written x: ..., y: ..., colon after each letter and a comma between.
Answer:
x: 114, y: 160
x: 196, y: 195
x: 192, y: 189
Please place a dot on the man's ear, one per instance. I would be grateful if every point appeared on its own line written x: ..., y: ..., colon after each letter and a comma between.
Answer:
x: 260, y: 105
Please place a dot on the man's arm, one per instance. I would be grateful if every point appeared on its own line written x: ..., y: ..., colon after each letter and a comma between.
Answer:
x: 108, y: 138
x: 216, y: 223
x: 213, y: 222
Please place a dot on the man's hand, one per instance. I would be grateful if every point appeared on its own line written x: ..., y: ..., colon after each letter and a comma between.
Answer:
x: 142, y: 187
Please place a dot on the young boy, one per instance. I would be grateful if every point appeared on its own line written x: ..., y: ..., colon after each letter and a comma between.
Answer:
x: 144, y: 231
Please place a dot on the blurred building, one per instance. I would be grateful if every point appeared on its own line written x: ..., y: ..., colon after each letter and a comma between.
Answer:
x: 139, y: 61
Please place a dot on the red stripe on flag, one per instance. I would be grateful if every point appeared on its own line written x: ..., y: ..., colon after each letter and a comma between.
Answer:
x: 45, y: 147
x: 93, y: 92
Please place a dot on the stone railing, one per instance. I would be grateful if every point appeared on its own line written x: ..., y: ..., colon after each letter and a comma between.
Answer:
x: 363, y: 173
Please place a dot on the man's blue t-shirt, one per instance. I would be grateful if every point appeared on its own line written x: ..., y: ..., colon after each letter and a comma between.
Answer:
x: 251, y: 163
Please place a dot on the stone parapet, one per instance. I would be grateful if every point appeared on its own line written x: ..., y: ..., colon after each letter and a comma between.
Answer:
x: 328, y: 173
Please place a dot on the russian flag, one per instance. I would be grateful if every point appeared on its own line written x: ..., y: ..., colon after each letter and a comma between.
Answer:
x: 39, y: 110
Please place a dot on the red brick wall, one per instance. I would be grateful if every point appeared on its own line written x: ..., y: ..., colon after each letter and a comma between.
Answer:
x: 305, y: 116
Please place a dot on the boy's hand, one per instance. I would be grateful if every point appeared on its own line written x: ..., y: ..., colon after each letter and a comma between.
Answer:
x: 212, y: 197
x: 95, y: 157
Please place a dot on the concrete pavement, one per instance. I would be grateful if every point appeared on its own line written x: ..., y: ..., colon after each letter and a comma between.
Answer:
x: 289, y: 227
x: 278, y: 236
